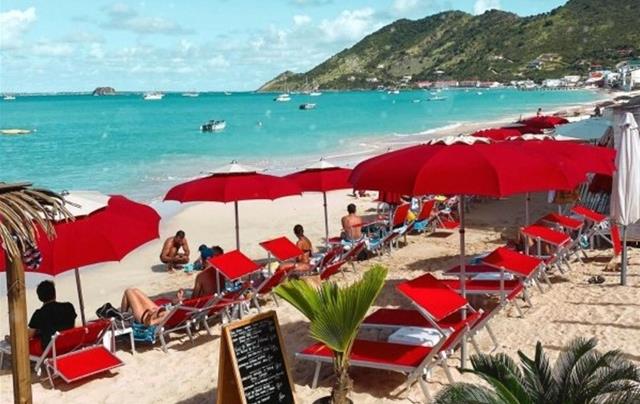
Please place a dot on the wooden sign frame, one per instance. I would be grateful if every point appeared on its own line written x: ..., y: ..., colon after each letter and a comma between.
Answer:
x: 230, y: 389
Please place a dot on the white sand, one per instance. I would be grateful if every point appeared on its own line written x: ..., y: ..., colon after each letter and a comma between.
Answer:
x: 187, y: 374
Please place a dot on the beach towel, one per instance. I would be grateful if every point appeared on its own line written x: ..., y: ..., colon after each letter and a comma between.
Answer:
x: 144, y: 333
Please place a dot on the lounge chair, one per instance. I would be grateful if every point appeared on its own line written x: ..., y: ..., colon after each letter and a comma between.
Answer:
x: 332, y: 269
x: 72, y: 354
x: 282, y: 249
x: 267, y: 286
x: 353, y: 252
x: 445, y: 218
x: 523, y: 266
x: 573, y: 228
x: 414, y: 361
x: 560, y: 241
x: 425, y: 217
x: 597, y: 224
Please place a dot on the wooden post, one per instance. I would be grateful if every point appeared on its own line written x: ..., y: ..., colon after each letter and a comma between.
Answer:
x: 20, y: 366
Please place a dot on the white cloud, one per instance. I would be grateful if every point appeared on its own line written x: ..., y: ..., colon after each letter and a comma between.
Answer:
x: 301, y: 19
x: 122, y: 17
x: 96, y: 51
x: 13, y: 24
x: 55, y: 49
x: 218, y: 61
x: 350, y: 25
x: 403, y: 6
x: 481, y: 6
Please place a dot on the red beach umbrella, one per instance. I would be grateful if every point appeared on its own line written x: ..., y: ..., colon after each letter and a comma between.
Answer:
x: 497, y: 134
x: 106, y: 234
x: 544, y: 121
x: 322, y: 177
x: 233, y: 183
x: 495, y: 169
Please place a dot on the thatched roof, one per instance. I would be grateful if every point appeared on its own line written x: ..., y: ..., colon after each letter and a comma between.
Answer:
x: 24, y: 211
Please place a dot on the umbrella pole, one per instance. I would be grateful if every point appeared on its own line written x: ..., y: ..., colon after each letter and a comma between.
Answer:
x: 623, y: 264
x: 235, y: 205
x: 80, y: 298
x: 527, y: 199
x: 463, y: 345
x: 19, y: 337
x: 326, y: 219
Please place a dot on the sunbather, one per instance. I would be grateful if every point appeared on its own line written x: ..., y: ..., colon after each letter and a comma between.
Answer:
x: 175, y: 251
x: 206, y: 282
x: 53, y: 316
x: 303, y: 261
x: 351, y: 224
x: 144, y: 310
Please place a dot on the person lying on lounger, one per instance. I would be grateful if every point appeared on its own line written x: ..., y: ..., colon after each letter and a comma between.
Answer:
x: 206, y: 282
x: 175, y: 251
x: 144, y: 310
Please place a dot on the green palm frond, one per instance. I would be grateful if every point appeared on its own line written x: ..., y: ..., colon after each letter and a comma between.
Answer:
x: 538, y: 376
x: 335, y: 313
x: 501, y: 372
x: 564, y: 370
x: 467, y: 393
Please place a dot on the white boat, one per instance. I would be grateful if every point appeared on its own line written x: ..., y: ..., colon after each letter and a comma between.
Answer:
x: 192, y: 94
x: 393, y: 91
x: 307, y: 105
x: 213, y: 126
x: 437, y: 98
x: 284, y: 97
x: 153, y: 96
x: 227, y: 93
x: 479, y: 93
x: 315, y: 93
x: 9, y: 97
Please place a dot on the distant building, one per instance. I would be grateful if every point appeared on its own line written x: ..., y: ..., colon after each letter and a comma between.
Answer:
x: 406, y: 79
x: 629, y: 74
x: 372, y: 80
x: 424, y: 84
x: 445, y: 84
x: 552, y: 83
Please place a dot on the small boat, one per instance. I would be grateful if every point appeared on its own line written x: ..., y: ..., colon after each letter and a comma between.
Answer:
x: 213, y: 126
x: 416, y: 101
x: 14, y: 132
x: 284, y: 97
x: 9, y: 97
x: 192, y: 94
x: 479, y: 93
x: 307, y: 105
x: 227, y: 93
x: 437, y: 98
x: 393, y: 91
x: 153, y: 96
x: 315, y: 94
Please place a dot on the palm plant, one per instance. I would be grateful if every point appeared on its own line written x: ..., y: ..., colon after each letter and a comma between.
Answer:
x: 335, y: 314
x: 581, y: 375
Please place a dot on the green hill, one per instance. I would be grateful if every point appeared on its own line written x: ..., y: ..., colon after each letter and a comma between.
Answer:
x: 494, y: 46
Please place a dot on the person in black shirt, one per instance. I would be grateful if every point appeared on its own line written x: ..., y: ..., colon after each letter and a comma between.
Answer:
x: 52, y: 316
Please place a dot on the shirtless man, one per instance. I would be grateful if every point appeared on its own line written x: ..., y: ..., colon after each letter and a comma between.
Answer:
x: 351, y: 224
x: 171, y: 251
x: 206, y: 282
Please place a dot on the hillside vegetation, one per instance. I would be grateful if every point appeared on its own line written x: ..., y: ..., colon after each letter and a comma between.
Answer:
x: 494, y: 46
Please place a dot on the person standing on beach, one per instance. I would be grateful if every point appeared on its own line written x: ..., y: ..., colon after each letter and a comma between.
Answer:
x: 351, y: 224
x: 52, y: 317
x: 539, y: 113
x: 175, y: 251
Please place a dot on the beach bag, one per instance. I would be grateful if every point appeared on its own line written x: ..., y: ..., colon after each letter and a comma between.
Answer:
x: 107, y: 311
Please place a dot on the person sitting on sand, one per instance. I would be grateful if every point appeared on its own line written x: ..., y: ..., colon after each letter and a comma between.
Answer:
x: 144, y: 310
x: 175, y: 251
x: 52, y: 317
x: 205, y: 253
x: 351, y: 224
x: 206, y: 282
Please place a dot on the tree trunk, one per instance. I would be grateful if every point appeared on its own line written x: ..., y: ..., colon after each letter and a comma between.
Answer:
x: 342, y: 387
x: 20, y: 366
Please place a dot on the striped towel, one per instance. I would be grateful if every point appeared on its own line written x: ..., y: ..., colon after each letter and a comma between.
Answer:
x: 32, y: 258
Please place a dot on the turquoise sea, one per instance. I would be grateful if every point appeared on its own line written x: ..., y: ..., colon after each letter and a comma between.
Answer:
x: 124, y: 144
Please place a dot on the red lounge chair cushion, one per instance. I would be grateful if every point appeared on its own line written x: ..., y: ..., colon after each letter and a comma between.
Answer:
x: 331, y: 269
x: 589, y: 214
x: 449, y: 224
x: 377, y: 352
x: 432, y: 295
x: 562, y: 220
x: 512, y: 261
x: 400, y: 215
x: 282, y: 248
x: 471, y: 270
x: 272, y: 282
x: 425, y: 212
x: 35, y: 347
x: 234, y: 265
x: 84, y: 363
x: 547, y: 235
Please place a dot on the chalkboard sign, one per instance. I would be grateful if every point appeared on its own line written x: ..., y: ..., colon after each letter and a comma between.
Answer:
x: 252, y: 367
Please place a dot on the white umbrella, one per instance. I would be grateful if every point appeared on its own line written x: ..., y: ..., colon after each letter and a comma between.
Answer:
x: 625, y: 196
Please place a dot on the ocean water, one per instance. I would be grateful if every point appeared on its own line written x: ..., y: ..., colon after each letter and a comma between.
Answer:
x: 124, y: 144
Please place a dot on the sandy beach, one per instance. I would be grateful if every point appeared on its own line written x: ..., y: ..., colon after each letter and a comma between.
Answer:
x: 188, y: 373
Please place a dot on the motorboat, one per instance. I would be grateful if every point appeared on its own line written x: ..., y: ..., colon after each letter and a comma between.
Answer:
x: 191, y: 94
x: 284, y: 97
x: 227, y: 93
x: 154, y: 96
x: 437, y: 98
x: 9, y: 97
x: 315, y: 94
x: 213, y: 126
x: 307, y: 105
x: 393, y: 91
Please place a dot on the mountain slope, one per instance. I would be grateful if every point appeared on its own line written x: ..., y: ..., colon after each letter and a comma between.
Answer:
x: 493, y: 46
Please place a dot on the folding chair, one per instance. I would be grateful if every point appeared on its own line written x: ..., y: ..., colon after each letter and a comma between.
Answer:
x: 596, y: 224
x: 559, y: 241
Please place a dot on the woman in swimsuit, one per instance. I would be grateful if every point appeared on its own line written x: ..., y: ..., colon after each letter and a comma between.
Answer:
x: 144, y: 310
x: 303, y: 261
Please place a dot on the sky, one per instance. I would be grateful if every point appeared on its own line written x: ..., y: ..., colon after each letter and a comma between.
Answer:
x: 203, y: 45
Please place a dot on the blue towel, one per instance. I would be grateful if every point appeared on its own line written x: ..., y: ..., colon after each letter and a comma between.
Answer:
x: 144, y: 333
